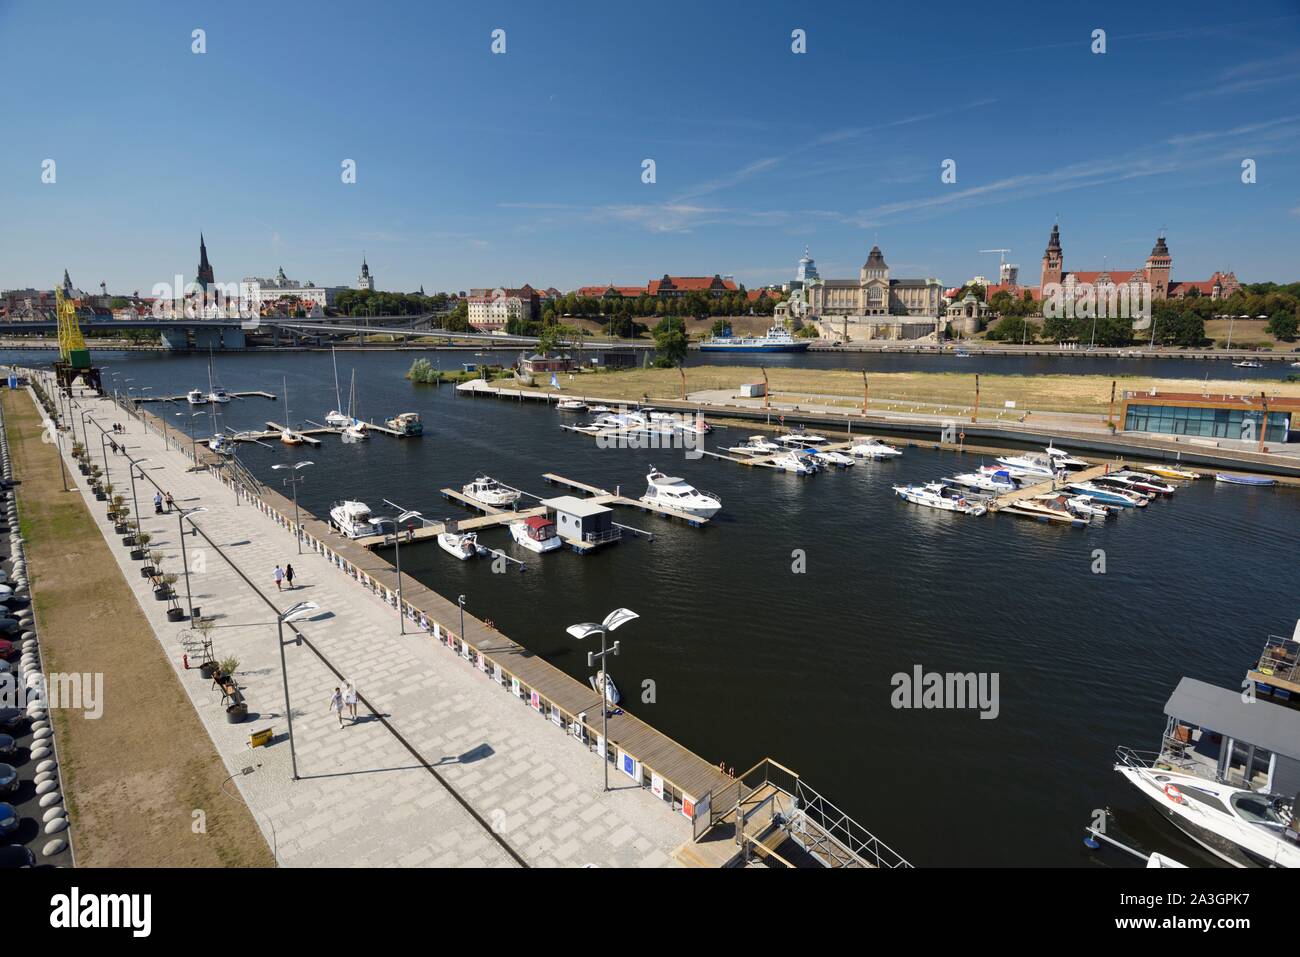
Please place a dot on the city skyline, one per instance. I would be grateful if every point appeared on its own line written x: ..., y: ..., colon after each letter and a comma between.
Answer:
x: 478, y: 169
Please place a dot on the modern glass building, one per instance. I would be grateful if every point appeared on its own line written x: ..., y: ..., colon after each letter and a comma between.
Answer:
x: 1230, y: 417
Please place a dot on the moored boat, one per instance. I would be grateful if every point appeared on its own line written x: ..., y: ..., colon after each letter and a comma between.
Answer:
x: 874, y: 449
x: 489, y: 491
x: 1256, y: 480
x: 463, y: 546
x: 676, y: 493
x: 536, y: 533
x: 406, y: 423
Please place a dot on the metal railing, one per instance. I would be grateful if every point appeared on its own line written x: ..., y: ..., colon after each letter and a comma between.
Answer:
x: 1280, y: 659
x: 599, y: 538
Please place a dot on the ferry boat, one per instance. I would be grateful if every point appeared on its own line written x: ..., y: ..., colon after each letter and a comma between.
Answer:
x: 353, y: 519
x: 778, y: 339
x: 536, y: 533
x: 406, y: 423
x: 1224, y: 774
x: 676, y: 493
x: 463, y: 546
x: 491, y: 492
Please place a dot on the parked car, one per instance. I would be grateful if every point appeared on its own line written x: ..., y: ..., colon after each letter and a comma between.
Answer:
x: 13, y: 719
x: 7, y: 648
x: 8, y: 779
x: 9, y: 820
x: 15, y: 855
x: 8, y: 745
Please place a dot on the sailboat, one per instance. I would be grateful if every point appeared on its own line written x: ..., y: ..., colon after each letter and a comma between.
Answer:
x: 355, y: 430
x: 288, y: 436
x: 219, y: 443
x: 336, y: 417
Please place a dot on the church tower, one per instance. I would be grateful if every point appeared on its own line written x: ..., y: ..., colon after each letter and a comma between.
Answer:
x: 1053, y: 259
x: 1159, y: 266
x: 204, y: 278
x: 365, y: 280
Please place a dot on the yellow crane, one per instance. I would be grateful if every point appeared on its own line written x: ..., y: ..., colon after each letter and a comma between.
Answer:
x: 74, y: 357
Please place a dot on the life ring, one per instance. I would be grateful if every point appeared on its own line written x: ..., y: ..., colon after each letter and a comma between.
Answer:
x: 1173, y: 794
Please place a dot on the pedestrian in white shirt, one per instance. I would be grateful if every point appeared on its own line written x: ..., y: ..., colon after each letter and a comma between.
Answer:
x: 350, y: 699
x: 336, y: 704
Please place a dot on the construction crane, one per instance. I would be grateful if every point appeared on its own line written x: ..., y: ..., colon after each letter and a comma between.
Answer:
x: 1002, y: 262
x: 74, y: 357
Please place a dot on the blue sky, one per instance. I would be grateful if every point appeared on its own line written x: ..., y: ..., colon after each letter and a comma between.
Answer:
x: 476, y: 169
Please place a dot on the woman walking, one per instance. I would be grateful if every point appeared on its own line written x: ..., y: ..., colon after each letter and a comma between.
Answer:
x: 288, y: 575
x: 350, y: 699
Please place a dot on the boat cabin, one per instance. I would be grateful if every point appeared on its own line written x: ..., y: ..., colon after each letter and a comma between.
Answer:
x: 539, y: 528
x: 1277, y: 672
x: 580, y: 520
x: 1213, y: 733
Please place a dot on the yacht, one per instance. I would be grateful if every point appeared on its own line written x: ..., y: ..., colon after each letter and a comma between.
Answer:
x: 406, y: 423
x: 354, y: 519
x: 196, y: 397
x: 940, y: 496
x: 1063, y: 460
x: 999, y: 481
x: 799, y: 439
x: 491, y: 492
x: 463, y: 546
x: 1248, y: 364
x: 336, y: 417
x: 219, y: 394
x: 793, y: 462
x: 676, y: 493
x: 1225, y: 774
x: 1109, y: 496
x: 755, y: 445
x: 874, y: 449
x: 831, y: 457
x: 287, y: 435
x: 536, y: 533
x: 357, y: 431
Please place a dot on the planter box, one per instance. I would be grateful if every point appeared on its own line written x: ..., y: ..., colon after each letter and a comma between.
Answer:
x: 148, y: 570
x: 236, y: 713
x: 175, y: 614
x: 163, y: 594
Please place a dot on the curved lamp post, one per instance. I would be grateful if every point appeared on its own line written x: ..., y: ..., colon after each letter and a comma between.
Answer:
x: 397, y: 551
x: 293, y: 613
x: 616, y: 618
x: 185, y: 562
x: 294, y: 479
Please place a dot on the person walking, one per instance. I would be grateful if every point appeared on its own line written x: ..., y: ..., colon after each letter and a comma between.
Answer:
x: 288, y: 575
x: 171, y: 503
x: 336, y: 703
x: 278, y: 575
x: 157, y: 503
x: 350, y: 699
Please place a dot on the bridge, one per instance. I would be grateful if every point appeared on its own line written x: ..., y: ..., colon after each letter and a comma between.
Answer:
x: 184, y: 335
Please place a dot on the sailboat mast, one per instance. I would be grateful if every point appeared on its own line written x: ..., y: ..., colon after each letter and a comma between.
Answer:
x: 338, y: 402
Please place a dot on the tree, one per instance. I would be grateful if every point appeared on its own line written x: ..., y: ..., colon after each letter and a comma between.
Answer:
x: 720, y: 327
x: 670, y: 341
x: 1284, y: 325
x: 1013, y: 329
x: 550, y: 340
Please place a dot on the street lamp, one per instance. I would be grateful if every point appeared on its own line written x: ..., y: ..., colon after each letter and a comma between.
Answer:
x: 185, y: 562
x: 292, y: 614
x: 397, y: 551
x: 460, y: 601
x: 617, y: 617
x: 135, y: 506
x: 193, y: 415
x: 293, y: 480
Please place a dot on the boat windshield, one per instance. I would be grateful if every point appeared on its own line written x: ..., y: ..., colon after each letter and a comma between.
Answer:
x: 1258, y: 809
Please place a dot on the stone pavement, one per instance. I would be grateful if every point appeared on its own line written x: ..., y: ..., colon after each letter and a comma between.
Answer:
x: 364, y: 799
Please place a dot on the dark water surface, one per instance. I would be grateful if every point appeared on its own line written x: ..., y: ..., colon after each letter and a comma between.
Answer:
x: 750, y: 659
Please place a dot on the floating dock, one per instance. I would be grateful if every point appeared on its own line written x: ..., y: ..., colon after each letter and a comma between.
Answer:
x: 256, y: 394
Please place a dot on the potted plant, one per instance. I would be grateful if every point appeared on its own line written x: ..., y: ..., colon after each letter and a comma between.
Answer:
x: 228, y: 666
x: 151, y: 558
x: 209, y: 668
x: 174, y: 612
x: 163, y: 590
x: 129, y: 530
x: 237, y: 711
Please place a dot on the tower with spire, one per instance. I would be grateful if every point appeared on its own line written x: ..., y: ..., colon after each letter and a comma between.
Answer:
x: 365, y: 280
x: 1159, y: 264
x: 1053, y: 258
x: 204, y: 277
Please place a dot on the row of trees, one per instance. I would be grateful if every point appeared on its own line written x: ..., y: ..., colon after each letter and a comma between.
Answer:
x: 693, y: 304
x: 363, y: 302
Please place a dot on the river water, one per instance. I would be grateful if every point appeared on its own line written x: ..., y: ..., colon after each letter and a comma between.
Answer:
x: 749, y: 657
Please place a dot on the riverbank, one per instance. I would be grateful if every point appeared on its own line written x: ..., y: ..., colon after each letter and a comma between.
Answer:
x: 135, y: 776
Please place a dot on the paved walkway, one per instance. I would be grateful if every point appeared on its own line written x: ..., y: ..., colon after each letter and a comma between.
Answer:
x: 363, y: 798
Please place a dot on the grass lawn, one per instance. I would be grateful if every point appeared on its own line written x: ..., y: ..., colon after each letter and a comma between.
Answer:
x: 134, y: 777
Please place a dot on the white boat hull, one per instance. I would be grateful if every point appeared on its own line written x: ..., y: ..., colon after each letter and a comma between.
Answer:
x: 519, y: 532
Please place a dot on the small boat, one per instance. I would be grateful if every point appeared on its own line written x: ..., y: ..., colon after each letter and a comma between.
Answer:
x: 1248, y: 364
x: 1031, y: 463
x: 571, y: 405
x: 997, y: 481
x: 611, y: 689
x: 536, y: 533
x: 940, y: 496
x: 794, y: 462
x: 1147, y: 483
x: 1256, y: 480
x: 222, y: 444
x: 1124, y: 484
x: 831, y: 457
x: 219, y: 395
x: 287, y: 435
x: 597, y: 409
x: 463, y: 546
x: 406, y: 423
x: 755, y: 445
x: 1168, y: 471
x: 1076, y: 505
x: 1063, y: 460
x: 676, y: 493
x: 196, y: 397
x: 798, y: 438
x: 353, y: 519
x: 961, y: 354
x: 338, y: 420
x: 1044, y: 511
x: 358, y: 431
x: 874, y: 449
x: 491, y: 492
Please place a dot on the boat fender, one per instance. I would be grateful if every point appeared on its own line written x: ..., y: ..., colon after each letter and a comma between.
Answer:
x: 1173, y: 794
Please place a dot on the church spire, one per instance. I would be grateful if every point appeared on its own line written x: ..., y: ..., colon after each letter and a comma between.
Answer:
x: 204, y: 277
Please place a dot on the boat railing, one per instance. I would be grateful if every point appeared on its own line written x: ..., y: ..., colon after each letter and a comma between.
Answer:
x: 1280, y: 659
x: 603, y: 536
x: 1172, y: 756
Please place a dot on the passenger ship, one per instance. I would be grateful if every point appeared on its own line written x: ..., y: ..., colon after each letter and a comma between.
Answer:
x: 778, y: 339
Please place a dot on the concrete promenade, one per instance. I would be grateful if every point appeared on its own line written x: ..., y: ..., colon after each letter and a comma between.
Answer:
x: 364, y: 798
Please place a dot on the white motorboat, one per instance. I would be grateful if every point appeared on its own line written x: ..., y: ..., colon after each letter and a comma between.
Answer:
x: 1063, y: 460
x: 611, y: 690
x: 831, y: 457
x: 463, y: 546
x: 196, y: 397
x: 937, y: 495
x: 1224, y: 774
x: 219, y: 395
x: 755, y: 445
x: 1075, y: 505
x: 222, y: 444
x: 1249, y: 364
x: 354, y: 519
x: 1109, y: 496
x: 998, y: 481
x: 799, y: 439
x: 874, y: 449
x: 794, y: 462
x: 676, y: 493
x: 536, y: 533
x: 571, y: 405
x: 1031, y: 463
x: 491, y: 492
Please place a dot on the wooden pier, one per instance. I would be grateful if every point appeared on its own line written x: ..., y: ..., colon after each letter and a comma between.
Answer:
x: 1003, y: 499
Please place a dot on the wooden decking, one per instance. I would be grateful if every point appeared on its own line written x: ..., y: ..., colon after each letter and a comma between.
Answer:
x: 1048, y: 486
